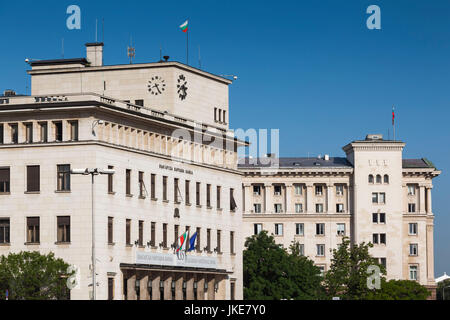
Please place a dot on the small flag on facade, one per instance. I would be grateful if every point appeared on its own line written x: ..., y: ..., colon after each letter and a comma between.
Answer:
x: 182, y: 242
x: 192, y: 242
x: 184, y: 26
x: 393, y: 115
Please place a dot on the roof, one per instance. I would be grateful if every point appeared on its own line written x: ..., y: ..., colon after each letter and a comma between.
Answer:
x: 38, y: 63
x: 295, y: 163
x: 443, y: 278
x: 417, y: 163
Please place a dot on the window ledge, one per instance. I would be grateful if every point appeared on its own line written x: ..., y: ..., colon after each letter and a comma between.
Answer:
x: 199, y: 206
x: 141, y: 247
x: 177, y: 202
x: 209, y: 207
x: 32, y: 192
x: 63, y: 192
x: 165, y: 201
x: 32, y: 243
x: 154, y: 199
x: 63, y: 243
x: 129, y: 196
x: 142, y: 197
x: 233, y: 254
x: 112, y: 244
x: 5, y: 193
x: 188, y: 204
x: 112, y: 193
x: 220, y: 209
x: 153, y: 247
x: 5, y: 244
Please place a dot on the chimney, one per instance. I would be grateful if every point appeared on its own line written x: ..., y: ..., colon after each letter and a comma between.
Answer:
x: 94, y: 54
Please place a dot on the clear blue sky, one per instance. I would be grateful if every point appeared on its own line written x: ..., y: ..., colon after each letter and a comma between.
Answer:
x: 310, y: 68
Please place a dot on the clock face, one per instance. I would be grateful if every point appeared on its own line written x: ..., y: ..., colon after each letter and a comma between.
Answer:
x: 182, y: 87
x: 156, y: 86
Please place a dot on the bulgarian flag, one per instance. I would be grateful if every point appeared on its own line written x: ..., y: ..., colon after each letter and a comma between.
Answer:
x: 182, y: 242
x: 184, y: 26
x: 393, y: 115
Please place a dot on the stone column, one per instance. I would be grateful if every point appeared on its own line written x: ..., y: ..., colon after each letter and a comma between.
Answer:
x: 156, y: 279
x: 268, y: 198
x: 189, y: 287
x: 429, y: 206
x: 143, y: 293
x: 309, y: 197
x: 131, y: 288
x: 247, y: 198
x: 331, y: 202
x: 211, y: 291
x: 349, y: 198
x: 221, y: 292
x: 179, y: 286
x: 430, y: 254
x: 422, y: 199
x: 288, y: 198
x: 201, y: 288
x: 168, y: 287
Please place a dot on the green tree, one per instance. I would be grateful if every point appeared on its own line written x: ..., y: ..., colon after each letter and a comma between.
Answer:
x: 271, y: 273
x: 349, y: 271
x: 443, y: 285
x: 32, y: 276
x: 399, y: 290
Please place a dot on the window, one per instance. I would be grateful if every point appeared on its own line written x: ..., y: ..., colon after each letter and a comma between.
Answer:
x: 232, y: 290
x: 378, y: 198
x: 232, y: 242
x: 374, y: 197
x: 14, y: 133
x: 43, y: 132
x: 63, y: 173
x: 411, y: 207
x: 378, y: 178
x: 301, y: 248
x: 382, y: 198
x: 175, y: 235
x: 298, y: 190
x: 110, y: 230
x: 33, y: 230
x: 197, y: 194
x: 139, y: 102
x: 176, y: 190
x: 413, y: 274
x: 4, y: 180
x: 110, y: 180
x: 215, y: 114
x: 63, y: 229
x: 375, y: 217
x: 371, y: 179
x: 153, y: 234
x: 413, y: 249
x: 141, y: 185
x: 277, y: 207
x: 320, y: 229
x: 1, y: 134
x: 386, y: 178
x: 278, y: 229
x: 257, y: 207
x: 128, y: 182
x: 128, y: 232
x: 153, y: 186
x: 413, y: 228
x: 257, y: 227
x: 341, y: 229
x: 298, y: 208
x: 141, y: 233
x: 277, y: 190
x: 322, y: 270
x: 382, y: 238
x: 208, y: 195
x: 197, y: 246
x: 219, y: 191
x: 320, y: 250
x: 219, y: 241
x: 299, y: 229
x: 28, y: 132
x: 4, y: 230
x: 186, y: 192
x: 339, y: 190
x: 233, y: 204
x: 382, y: 217
x: 257, y: 190
x: 58, y: 131
x: 319, y: 190
x: 164, y: 188
x: 379, y: 218
x: 382, y: 261
x: 110, y: 288
x: 208, y: 240
x: 164, y: 242
x: 319, y: 207
x: 411, y: 190
x: 375, y: 238
x: 73, y: 130
x: 339, y: 208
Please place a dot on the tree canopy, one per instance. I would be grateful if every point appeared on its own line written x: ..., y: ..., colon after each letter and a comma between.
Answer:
x: 399, y: 290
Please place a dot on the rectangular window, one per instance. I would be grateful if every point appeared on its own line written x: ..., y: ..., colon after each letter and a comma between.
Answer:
x: 187, y: 185
x: 164, y: 188
x: 219, y: 191
x: 413, y: 227
x: 153, y: 185
x: 339, y: 208
x: 232, y: 242
x: 153, y: 235
x: 58, y: 131
x: 277, y: 190
x: 257, y: 228
x: 141, y: 184
x: 4, y: 231
x: 197, y: 193
x: 2, y: 140
x: 413, y: 274
x: 383, y: 262
x: 63, y: 229
x: 319, y: 190
x: 413, y: 249
x: 411, y: 207
x: 14, y: 133
x: 232, y: 290
x: 411, y: 190
x: 341, y: 229
x: 33, y: 230
x: 197, y: 246
x: 33, y: 179
x: 299, y: 229
x: 382, y: 238
x: 128, y: 232
x: 233, y: 204
x: 110, y: 288
x: 164, y: 243
x: 175, y: 235
x: 110, y: 230
x: 339, y: 190
x: 298, y: 190
x: 43, y: 131
x: 141, y: 233
x: 139, y: 102
x: 375, y: 198
x: 257, y: 190
x: 73, y: 130
x: 219, y: 241
x: 257, y: 207
x: 110, y: 180
x: 298, y: 208
x: 375, y: 238
x: 208, y: 195
x: 278, y: 208
x: 278, y: 229
x: 301, y: 248
x: 375, y: 217
x: 63, y: 174
x: 382, y: 217
x: 28, y: 132
x: 176, y: 190
x: 320, y: 250
x: 382, y: 198
x: 128, y: 182
x: 319, y: 207
x: 4, y: 180
x: 320, y: 229
x: 208, y: 240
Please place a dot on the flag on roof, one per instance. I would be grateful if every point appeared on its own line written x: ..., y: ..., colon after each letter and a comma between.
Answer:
x: 184, y: 26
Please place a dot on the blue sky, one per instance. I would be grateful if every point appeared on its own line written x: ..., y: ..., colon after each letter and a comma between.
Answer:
x: 310, y: 68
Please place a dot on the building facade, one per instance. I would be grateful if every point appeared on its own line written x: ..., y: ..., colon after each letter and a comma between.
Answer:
x: 163, y: 129
x: 372, y: 195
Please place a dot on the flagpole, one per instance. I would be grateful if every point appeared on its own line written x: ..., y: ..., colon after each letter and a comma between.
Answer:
x: 393, y: 120
x: 187, y: 45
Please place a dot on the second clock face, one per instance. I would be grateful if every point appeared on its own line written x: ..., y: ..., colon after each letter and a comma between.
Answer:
x: 156, y: 86
x: 182, y: 87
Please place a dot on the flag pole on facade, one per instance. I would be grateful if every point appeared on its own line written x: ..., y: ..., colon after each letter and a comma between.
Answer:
x: 185, y: 29
x: 393, y: 120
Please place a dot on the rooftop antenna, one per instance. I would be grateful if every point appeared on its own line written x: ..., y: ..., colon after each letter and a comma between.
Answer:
x: 103, y: 29
x: 160, y: 53
x: 96, y: 30
x: 62, y: 47
x: 199, y: 59
x: 131, y: 51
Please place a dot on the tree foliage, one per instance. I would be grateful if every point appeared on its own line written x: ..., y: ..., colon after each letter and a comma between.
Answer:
x: 32, y: 276
x: 399, y: 290
x: 271, y: 273
x: 443, y: 285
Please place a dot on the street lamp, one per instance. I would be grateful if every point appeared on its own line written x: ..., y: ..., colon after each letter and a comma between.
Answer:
x: 93, y: 173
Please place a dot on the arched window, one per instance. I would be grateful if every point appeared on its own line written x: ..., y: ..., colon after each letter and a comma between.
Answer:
x: 370, y: 178
x: 386, y: 178
x: 378, y: 178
